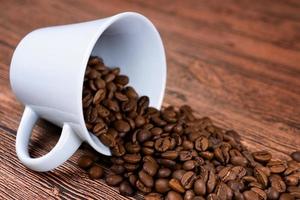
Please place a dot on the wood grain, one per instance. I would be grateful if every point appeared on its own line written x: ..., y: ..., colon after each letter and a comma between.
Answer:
x: 235, y: 61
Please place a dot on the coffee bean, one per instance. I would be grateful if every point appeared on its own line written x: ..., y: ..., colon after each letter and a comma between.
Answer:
x: 121, y: 97
x: 126, y: 189
x: 277, y: 166
x: 296, y: 156
x: 201, y: 144
x: 286, y: 196
x: 99, y: 83
x: 121, y: 126
x: 141, y: 187
x: 261, y: 177
x: 277, y: 183
x: 262, y: 156
x: 117, y: 169
x: 162, y: 144
x: 85, y: 161
x: 185, y: 155
x: 239, y: 160
x: 146, y: 179
x: 164, y: 172
x: 188, y: 179
x: 162, y: 185
x: 107, y: 139
x: 96, y: 172
x: 143, y: 135
x: 272, y: 193
x: 250, y: 195
x: 261, y: 194
x: 172, y: 195
x: 178, y: 174
x: 153, y: 196
x: 172, y: 155
x: 175, y: 185
x: 113, y: 179
x: 223, y: 191
x: 292, y: 180
x: 150, y: 167
x: 132, y: 158
x: 118, y: 150
x: 200, y: 187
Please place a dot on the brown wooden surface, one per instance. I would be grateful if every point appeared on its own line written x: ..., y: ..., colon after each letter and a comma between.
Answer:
x: 235, y: 61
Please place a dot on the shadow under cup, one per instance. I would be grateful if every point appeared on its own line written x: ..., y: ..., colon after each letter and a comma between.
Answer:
x: 133, y: 44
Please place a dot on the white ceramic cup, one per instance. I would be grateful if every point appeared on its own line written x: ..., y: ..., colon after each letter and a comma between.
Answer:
x: 47, y: 72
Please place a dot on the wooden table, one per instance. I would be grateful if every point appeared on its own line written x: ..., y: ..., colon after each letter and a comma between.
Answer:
x: 235, y: 61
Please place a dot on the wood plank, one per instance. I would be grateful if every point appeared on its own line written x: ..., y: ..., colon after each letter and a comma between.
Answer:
x: 235, y: 61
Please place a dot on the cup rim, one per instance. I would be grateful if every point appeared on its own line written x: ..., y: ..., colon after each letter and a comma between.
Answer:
x: 93, y: 41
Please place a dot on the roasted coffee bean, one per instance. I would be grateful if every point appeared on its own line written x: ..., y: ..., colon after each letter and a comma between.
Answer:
x: 153, y: 196
x: 162, y: 144
x: 239, y: 160
x: 131, y: 167
x: 126, y: 189
x: 132, y: 147
x: 200, y: 187
x: 277, y: 166
x: 211, y: 182
x: 142, y: 104
x: 261, y: 194
x: 175, y: 185
x: 166, y: 163
x: 117, y: 169
x: 292, y: 180
x: 146, y: 179
x: 286, y: 196
x: 164, y: 172
x: 172, y: 195
x: 188, y: 179
x: 85, y: 161
x: 139, y: 121
x: 141, y: 187
x: 113, y: 179
x: 100, y: 128
x: 121, y: 97
x: 178, y: 174
x: 296, y: 156
x: 277, y: 183
x: 189, y: 195
x: 262, y: 156
x: 129, y: 105
x: 132, y: 158
x: 150, y: 167
x: 162, y: 185
x: 132, y: 179
x: 118, y: 150
x: 172, y: 155
x: 261, y: 177
x: 185, y: 155
x: 272, y: 193
x: 189, y: 165
x: 201, y: 144
x: 121, y: 126
x: 122, y: 80
x: 250, y: 195
x: 223, y: 191
x: 143, y: 135
x: 107, y: 139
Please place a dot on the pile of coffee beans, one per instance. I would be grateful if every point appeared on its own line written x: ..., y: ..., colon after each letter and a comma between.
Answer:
x: 172, y: 154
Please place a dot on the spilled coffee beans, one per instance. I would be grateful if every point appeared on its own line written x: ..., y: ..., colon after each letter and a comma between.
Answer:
x: 172, y: 154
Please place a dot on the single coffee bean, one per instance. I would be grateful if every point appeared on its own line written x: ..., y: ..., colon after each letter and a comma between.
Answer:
x: 126, y: 189
x: 153, y: 196
x: 262, y: 156
x: 107, y: 139
x: 200, y: 187
x: 189, y: 165
x: 172, y: 155
x: 132, y: 147
x: 188, y: 179
x: 117, y: 169
x: 132, y: 158
x: 172, y: 195
x: 146, y: 179
x: 122, y: 80
x: 141, y: 187
x: 85, y: 161
x: 162, y: 144
x: 121, y: 126
x: 113, y: 179
x: 223, y: 191
x: 272, y: 193
x: 239, y: 160
x: 277, y: 183
x: 118, y: 150
x: 139, y: 121
x: 178, y: 174
x: 143, y: 135
x: 296, y: 156
x: 162, y: 185
x: 150, y: 167
x: 185, y: 155
x: 261, y: 177
x: 286, y: 196
x: 175, y: 185
x: 121, y: 97
x: 261, y: 194
x: 164, y: 172
x: 201, y: 144
x: 277, y: 166
x: 189, y: 195
x: 250, y: 195
x: 292, y: 180
x: 96, y: 172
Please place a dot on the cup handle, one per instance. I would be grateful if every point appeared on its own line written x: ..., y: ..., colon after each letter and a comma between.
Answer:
x: 66, y: 146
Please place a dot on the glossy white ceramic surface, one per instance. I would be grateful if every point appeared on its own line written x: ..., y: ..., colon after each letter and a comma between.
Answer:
x: 47, y: 72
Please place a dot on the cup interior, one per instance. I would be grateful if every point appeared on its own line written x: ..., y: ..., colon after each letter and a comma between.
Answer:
x: 132, y: 43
